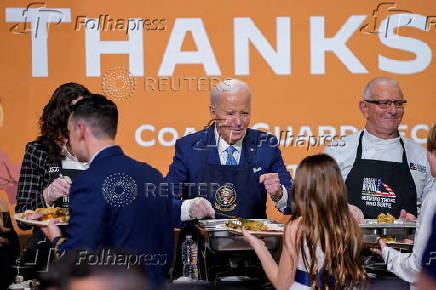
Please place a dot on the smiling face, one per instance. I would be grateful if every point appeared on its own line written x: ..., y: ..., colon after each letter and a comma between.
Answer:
x: 380, y: 122
x: 232, y: 114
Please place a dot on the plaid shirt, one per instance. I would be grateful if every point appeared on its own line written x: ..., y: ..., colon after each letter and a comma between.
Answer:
x: 36, y: 174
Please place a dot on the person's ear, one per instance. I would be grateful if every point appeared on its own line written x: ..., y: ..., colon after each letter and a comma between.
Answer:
x: 82, y: 130
x: 364, y: 108
x: 212, y: 111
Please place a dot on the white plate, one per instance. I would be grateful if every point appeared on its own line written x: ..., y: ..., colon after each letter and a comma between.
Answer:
x: 19, y: 217
x: 273, y: 230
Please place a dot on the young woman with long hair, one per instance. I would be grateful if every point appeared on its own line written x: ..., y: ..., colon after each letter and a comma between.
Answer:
x: 322, y: 241
x: 46, y: 164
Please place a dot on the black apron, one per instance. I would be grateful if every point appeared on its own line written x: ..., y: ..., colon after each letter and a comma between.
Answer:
x: 64, y: 202
x: 232, y: 190
x: 235, y: 191
x: 37, y: 254
x: 381, y: 186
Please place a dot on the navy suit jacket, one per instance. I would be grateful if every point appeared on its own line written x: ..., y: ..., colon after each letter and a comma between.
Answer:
x: 111, y: 208
x: 189, y: 152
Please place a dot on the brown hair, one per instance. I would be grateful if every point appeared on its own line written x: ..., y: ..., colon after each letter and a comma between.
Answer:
x: 431, y: 139
x: 319, y: 198
x: 54, y: 119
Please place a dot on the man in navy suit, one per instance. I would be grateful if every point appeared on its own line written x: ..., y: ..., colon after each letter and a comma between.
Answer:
x: 110, y: 206
x: 227, y: 166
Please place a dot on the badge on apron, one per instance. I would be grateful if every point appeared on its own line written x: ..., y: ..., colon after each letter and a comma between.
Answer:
x: 376, y: 193
x: 225, y: 198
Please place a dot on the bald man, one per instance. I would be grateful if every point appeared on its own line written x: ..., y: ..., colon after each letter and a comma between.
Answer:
x: 384, y: 172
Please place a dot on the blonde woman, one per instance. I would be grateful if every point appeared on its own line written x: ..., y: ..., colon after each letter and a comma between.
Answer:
x: 322, y: 241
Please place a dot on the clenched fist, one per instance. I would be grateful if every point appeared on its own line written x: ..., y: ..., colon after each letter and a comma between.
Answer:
x: 272, y: 185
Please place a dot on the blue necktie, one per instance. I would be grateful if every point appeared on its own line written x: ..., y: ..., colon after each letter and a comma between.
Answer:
x: 230, y: 159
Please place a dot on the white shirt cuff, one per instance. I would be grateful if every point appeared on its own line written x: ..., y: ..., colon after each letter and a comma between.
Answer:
x: 184, y: 214
x: 388, y: 254
x: 282, y: 203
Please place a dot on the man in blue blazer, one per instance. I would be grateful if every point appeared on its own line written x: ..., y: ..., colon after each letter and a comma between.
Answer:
x: 110, y: 206
x: 228, y: 168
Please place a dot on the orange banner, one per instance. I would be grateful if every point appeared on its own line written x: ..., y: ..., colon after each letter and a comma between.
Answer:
x: 306, y: 63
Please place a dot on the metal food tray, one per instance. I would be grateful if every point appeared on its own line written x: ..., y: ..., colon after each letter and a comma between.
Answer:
x: 218, y: 238
x: 397, y: 224
x: 399, y: 230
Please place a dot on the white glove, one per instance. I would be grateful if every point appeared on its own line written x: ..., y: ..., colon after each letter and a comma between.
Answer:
x: 357, y: 213
x: 60, y: 187
x: 200, y: 208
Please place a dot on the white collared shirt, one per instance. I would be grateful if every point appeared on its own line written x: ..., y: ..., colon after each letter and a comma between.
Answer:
x: 223, y: 145
x: 71, y: 162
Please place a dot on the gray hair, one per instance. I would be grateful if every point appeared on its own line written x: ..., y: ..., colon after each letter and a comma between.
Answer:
x: 367, y: 93
x: 227, y: 85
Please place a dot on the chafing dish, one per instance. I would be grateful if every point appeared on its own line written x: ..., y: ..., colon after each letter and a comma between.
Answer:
x: 399, y: 230
x: 218, y: 238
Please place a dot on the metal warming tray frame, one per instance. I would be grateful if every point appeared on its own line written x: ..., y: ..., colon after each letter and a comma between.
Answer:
x: 219, y: 238
x: 399, y: 230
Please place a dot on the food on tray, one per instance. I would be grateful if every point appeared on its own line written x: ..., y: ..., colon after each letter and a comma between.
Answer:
x: 388, y: 239
x: 385, y: 218
x: 248, y: 224
x: 44, y: 214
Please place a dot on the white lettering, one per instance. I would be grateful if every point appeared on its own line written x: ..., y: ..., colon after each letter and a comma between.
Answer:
x: 171, y: 131
x: 133, y: 47
x: 414, y: 133
x: 173, y: 54
x: 420, y: 49
x: 245, y: 31
x: 138, y: 135
x: 344, y: 129
x: 39, y: 18
x: 319, y: 44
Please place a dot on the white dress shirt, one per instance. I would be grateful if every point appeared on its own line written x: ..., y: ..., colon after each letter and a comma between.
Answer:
x: 408, y: 265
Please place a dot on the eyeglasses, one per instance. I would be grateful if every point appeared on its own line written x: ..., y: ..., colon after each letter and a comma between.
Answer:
x: 384, y: 104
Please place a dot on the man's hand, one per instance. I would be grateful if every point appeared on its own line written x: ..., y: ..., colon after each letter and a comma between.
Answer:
x: 51, y: 231
x: 272, y: 185
x: 357, y: 213
x: 60, y: 187
x: 407, y: 216
x: 201, y: 208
